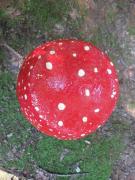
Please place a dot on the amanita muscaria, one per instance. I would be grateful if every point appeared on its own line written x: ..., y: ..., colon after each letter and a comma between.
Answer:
x: 67, y: 88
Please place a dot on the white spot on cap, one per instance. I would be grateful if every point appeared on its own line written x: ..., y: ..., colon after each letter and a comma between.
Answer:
x: 87, y: 92
x: 24, y: 88
x: 52, y: 52
x: 39, y: 126
x: 78, y: 170
x: 25, y: 97
x: 114, y: 93
x: 51, y: 130
x: 87, y: 142
x: 31, y: 67
x: 61, y: 106
x: 60, y: 123
x: 95, y: 69
x: 43, y: 48
x: 109, y: 71
x: 111, y: 64
x: 81, y: 73
x: 84, y: 119
x: 49, y: 65
x: 39, y: 57
x: 37, y: 108
x: 39, y: 75
x: 19, y: 84
x: 97, y: 110
x: 41, y: 116
x: 29, y: 84
x: 29, y: 74
x: 112, y: 96
x: 86, y: 48
x: 99, y: 126
x: 74, y: 55
x: 60, y: 43
x: 82, y: 135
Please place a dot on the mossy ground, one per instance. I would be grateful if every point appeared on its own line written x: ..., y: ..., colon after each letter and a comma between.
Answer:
x: 17, y: 148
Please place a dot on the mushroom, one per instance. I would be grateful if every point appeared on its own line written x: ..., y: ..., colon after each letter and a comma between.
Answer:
x: 67, y: 88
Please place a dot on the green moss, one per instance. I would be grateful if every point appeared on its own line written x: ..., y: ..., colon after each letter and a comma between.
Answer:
x: 46, y: 13
x: 36, y: 24
x: 96, y: 159
x: 2, y: 14
x: 10, y: 116
x: 131, y: 30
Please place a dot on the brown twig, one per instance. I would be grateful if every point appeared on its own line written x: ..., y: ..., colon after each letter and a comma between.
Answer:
x: 63, y: 175
x: 72, y: 174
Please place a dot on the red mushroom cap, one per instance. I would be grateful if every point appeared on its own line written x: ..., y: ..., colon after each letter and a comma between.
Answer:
x: 67, y: 88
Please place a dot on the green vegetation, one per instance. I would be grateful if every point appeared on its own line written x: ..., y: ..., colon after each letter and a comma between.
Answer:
x: 46, y: 13
x: 131, y: 30
x: 2, y: 14
x: 38, y: 22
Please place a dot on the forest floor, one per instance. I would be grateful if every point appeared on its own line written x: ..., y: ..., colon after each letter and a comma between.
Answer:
x: 109, y: 153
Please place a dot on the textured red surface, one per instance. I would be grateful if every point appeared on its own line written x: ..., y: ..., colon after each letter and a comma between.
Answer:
x: 67, y: 88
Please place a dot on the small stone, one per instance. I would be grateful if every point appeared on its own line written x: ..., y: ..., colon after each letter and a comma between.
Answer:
x: 87, y: 142
x: 9, y: 135
x: 78, y: 170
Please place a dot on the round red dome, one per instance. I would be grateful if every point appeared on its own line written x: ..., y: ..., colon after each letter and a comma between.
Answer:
x: 67, y: 88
